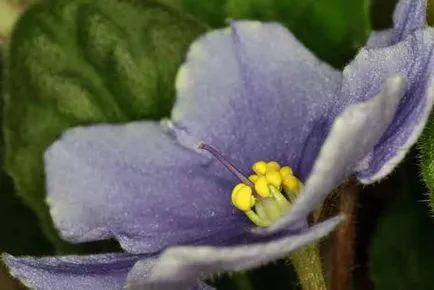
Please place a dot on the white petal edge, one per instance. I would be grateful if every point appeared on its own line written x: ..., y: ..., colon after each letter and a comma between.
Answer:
x: 400, y: 154
x: 184, y: 265
x: 338, y: 159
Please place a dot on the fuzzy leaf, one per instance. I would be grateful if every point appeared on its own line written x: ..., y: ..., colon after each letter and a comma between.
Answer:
x: 19, y: 230
x: 84, y: 62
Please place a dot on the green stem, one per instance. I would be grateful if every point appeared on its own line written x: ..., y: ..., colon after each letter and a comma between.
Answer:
x: 308, y: 265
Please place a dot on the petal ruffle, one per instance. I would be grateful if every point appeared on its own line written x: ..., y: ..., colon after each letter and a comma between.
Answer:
x: 96, y: 272
x: 409, y: 16
x: 184, y: 265
x: 363, y: 78
x: 134, y: 182
x: 255, y: 92
x: 352, y: 136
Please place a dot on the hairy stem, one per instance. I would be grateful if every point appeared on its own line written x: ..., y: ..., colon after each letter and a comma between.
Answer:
x: 308, y: 265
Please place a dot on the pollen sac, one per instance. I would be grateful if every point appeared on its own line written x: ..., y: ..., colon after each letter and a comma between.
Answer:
x: 273, y: 166
x: 291, y: 182
x: 285, y: 171
x: 270, y: 174
x: 253, y: 178
x: 242, y: 197
x: 261, y: 187
x: 260, y: 167
x: 274, y: 178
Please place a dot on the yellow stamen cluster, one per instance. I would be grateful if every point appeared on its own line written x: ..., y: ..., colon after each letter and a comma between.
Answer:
x: 268, y: 179
x: 271, y: 173
x: 266, y: 195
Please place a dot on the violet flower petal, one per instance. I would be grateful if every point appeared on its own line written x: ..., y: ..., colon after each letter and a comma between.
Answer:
x: 412, y: 58
x: 352, y: 135
x: 184, y: 265
x: 96, y: 272
x: 378, y: 39
x: 409, y: 16
x: 255, y: 92
x: 134, y: 182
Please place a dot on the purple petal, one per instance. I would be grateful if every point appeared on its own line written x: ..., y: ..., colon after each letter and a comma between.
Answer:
x: 255, y: 92
x: 351, y: 137
x: 186, y: 264
x: 135, y: 183
x: 105, y: 272
x: 363, y: 78
x: 379, y: 39
x: 409, y: 16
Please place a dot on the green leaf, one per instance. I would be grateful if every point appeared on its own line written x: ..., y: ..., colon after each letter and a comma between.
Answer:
x: 19, y: 229
x: 84, y: 62
x: 402, y: 248
x: 211, y: 12
x: 430, y: 13
x: 333, y: 29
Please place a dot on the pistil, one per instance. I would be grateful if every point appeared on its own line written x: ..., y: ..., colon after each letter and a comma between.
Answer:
x: 234, y: 170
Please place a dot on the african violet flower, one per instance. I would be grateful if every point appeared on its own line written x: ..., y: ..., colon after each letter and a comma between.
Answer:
x: 250, y: 95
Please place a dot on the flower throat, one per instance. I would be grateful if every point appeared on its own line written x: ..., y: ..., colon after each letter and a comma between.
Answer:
x: 265, y: 195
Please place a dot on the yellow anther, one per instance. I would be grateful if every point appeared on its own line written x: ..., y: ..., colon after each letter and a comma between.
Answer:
x: 234, y: 191
x: 261, y: 187
x: 273, y: 166
x: 274, y: 178
x: 291, y: 182
x: 242, y: 197
x: 253, y: 178
x: 285, y: 171
x: 260, y: 168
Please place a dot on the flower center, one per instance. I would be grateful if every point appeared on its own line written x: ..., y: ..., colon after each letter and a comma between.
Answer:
x: 265, y: 195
